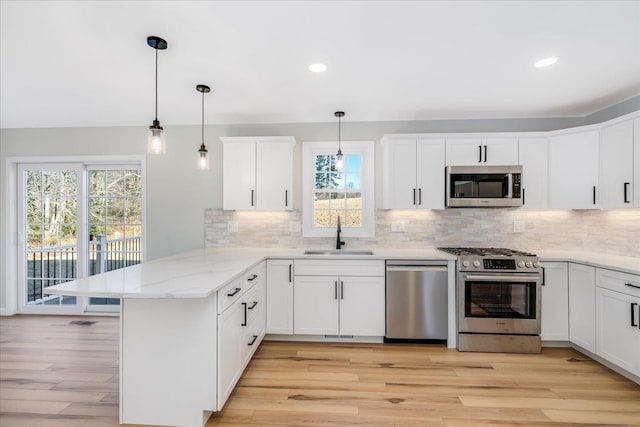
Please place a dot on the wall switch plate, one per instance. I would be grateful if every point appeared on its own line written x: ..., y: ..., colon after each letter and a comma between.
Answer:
x: 294, y: 226
x: 232, y: 226
x: 397, y: 227
x: 518, y: 226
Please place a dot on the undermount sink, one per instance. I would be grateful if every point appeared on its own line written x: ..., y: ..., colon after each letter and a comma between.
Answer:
x: 338, y: 252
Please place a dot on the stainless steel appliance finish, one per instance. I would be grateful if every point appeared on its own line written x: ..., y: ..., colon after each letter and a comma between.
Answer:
x: 498, y: 300
x: 483, y: 186
x: 416, y: 300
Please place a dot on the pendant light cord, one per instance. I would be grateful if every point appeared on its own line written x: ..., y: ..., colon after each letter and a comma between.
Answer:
x: 156, y: 83
x: 202, y: 117
x: 339, y: 146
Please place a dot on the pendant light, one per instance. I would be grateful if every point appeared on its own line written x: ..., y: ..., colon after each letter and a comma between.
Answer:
x: 156, y: 140
x: 339, y: 156
x: 203, y: 160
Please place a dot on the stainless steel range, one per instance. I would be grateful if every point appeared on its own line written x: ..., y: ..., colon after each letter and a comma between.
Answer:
x: 498, y: 292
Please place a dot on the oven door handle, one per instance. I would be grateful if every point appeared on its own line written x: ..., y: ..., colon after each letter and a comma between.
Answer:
x: 504, y: 278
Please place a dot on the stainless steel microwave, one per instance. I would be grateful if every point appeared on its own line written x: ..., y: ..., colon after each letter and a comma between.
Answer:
x: 483, y: 186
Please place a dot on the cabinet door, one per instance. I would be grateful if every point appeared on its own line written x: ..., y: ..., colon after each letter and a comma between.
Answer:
x: 280, y: 296
x: 430, y: 174
x: 315, y: 305
x: 618, y: 337
x: 555, y: 302
x: 362, y: 302
x: 400, y: 174
x: 239, y: 176
x: 534, y: 157
x: 582, y: 306
x: 500, y: 151
x: 464, y: 152
x: 636, y: 162
x: 230, y: 347
x: 274, y: 163
x: 616, y: 166
x: 573, y: 170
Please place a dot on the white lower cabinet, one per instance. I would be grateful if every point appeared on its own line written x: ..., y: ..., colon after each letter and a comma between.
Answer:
x: 350, y: 302
x: 241, y: 328
x: 618, y: 333
x: 280, y: 296
x: 618, y: 318
x: 582, y: 304
x: 555, y: 302
x: 316, y: 305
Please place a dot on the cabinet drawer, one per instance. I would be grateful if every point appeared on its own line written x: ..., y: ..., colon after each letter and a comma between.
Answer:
x: 618, y: 281
x: 337, y: 267
x: 254, y: 275
x: 255, y: 302
x: 230, y: 293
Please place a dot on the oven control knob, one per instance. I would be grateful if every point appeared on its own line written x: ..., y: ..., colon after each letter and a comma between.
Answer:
x: 465, y: 263
x: 521, y: 264
x: 529, y: 264
x: 476, y: 263
x: 536, y: 264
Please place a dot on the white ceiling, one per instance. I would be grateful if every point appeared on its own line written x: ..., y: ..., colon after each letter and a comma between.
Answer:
x: 86, y: 63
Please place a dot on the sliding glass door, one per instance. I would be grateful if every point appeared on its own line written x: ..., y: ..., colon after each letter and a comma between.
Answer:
x: 75, y: 220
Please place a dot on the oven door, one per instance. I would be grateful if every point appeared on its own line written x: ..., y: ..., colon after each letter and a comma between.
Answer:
x: 499, y: 303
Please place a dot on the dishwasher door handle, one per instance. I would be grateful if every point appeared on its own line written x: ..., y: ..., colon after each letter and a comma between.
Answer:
x: 416, y: 268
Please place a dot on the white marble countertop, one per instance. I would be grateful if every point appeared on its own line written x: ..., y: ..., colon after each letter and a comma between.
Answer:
x: 596, y: 259
x: 199, y: 273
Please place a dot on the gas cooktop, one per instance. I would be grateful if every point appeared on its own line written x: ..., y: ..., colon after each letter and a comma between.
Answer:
x: 462, y: 251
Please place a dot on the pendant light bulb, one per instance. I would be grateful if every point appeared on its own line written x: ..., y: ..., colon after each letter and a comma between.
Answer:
x: 339, y: 156
x: 156, y: 143
x: 203, y: 159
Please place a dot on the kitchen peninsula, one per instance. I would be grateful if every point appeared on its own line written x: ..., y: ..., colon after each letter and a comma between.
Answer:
x: 177, y: 353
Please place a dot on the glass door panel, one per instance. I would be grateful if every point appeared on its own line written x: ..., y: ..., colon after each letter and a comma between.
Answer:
x: 115, y: 222
x: 49, y: 226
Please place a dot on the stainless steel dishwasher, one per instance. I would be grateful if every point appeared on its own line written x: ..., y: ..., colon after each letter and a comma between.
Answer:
x: 416, y: 293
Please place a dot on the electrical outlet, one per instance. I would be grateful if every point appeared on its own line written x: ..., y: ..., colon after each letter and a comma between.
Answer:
x: 518, y: 226
x: 397, y: 227
x: 294, y: 226
x: 232, y: 226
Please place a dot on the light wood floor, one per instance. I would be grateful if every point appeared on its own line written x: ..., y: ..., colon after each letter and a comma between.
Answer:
x: 58, y: 374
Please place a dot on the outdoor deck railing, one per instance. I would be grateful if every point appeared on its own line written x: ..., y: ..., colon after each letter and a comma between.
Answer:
x: 51, y: 266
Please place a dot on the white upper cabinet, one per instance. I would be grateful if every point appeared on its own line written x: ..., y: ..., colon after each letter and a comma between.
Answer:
x: 257, y: 173
x: 413, y: 173
x: 534, y: 158
x: 636, y: 162
x: 481, y: 152
x: 573, y: 170
x: 616, y: 166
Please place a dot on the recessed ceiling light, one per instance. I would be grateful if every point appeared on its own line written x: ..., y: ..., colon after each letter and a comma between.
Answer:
x: 318, y: 68
x: 545, y: 62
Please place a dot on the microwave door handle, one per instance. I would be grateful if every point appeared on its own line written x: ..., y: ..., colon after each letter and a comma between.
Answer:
x: 510, y: 185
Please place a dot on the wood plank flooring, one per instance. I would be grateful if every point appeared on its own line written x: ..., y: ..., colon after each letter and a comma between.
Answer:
x: 57, y: 374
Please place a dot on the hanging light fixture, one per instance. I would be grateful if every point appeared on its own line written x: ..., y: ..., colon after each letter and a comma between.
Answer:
x: 203, y: 160
x: 156, y: 140
x: 339, y: 156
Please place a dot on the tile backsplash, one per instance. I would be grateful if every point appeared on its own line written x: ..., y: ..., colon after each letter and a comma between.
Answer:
x: 610, y: 231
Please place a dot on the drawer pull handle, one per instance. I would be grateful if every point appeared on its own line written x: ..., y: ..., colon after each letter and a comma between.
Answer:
x: 253, y: 341
x: 244, y: 322
x: 253, y: 305
x: 626, y: 189
x: 234, y: 292
x: 633, y: 286
x: 252, y: 278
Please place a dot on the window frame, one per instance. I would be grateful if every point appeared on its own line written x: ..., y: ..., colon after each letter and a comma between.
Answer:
x: 366, y: 149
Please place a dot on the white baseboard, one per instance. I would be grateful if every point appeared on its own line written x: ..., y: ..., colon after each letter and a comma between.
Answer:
x: 7, y: 312
x: 323, y: 338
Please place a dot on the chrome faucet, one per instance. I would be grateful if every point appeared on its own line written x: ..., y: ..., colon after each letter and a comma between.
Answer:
x: 339, y: 243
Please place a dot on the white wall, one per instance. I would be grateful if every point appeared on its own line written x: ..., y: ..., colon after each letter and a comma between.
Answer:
x: 178, y: 193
